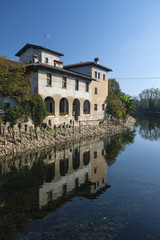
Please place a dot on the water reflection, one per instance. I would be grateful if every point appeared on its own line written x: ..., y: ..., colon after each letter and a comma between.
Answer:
x: 117, y: 144
x: 35, y: 184
x: 148, y: 128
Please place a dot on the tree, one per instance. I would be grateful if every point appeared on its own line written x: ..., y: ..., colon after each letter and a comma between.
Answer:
x: 12, y: 116
x: 114, y: 87
x: 35, y: 108
x: 115, y: 107
x: 14, y: 80
x: 148, y: 101
x: 129, y: 104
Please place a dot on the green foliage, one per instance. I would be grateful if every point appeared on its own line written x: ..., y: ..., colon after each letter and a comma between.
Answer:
x: 119, y: 105
x: 148, y: 101
x: 114, y: 87
x: 129, y: 104
x: 35, y: 108
x: 115, y: 107
x: 14, y: 80
x: 13, y: 114
x: 117, y: 144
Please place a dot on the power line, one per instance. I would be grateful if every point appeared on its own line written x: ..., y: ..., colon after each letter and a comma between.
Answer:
x: 137, y: 78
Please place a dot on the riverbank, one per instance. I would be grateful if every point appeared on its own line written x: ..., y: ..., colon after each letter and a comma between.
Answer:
x: 47, y: 138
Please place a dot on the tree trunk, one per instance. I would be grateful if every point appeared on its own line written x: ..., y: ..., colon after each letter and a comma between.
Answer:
x: 0, y: 128
x: 31, y: 133
x: 20, y: 132
x: 4, y: 134
x: 14, y: 136
x: 36, y: 133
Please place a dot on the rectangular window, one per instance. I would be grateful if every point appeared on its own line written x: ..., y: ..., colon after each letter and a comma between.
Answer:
x: 104, y: 77
x: 49, y: 80
x: 77, y: 85
x: 99, y: 75
x: 95, y: 154
x: 95, y: 107
x: 49, y: 196
x: 64, y: 82
x: 46, y: 60
x: 95, y: 91
x: 95, y: 74
x: 87, y: 86
x: 102, y: 106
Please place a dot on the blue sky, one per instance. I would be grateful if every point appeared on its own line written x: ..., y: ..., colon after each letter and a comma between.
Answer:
x: 124, y: 34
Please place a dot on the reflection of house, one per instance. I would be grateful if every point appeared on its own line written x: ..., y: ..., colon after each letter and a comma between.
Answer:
x: 74, y: 168
x: 76, y: 91
x: 63, y: 172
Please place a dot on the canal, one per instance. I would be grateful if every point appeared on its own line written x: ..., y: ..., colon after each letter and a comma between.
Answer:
x: 102, y: 188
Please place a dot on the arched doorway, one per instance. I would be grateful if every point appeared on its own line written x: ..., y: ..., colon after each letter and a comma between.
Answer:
x: 86, y: 107
x: 63, y: 106
x: 76, y: 108
x: 50, y: 106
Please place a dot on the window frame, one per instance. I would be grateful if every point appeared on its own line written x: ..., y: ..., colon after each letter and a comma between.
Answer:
x: 99, y: 75
x: 46, y: 60
x: 95, y: 74
x: 77, y: 85
x: 104, y: 76
x: 49, y: 80
x: 96, y: 91
x: 95, y: 107
x: 87, y: 86
x: 64, y: 82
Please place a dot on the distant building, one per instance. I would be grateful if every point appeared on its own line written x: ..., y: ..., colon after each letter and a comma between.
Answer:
x: 71, y: 92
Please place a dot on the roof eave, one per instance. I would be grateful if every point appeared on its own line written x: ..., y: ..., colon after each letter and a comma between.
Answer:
x: 60, y: 70
x: 37, y: 46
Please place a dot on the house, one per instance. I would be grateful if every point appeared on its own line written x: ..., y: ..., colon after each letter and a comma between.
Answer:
x: 72, y: 92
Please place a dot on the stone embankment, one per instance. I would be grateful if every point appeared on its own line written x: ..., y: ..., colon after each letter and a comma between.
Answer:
x: 61, y: 135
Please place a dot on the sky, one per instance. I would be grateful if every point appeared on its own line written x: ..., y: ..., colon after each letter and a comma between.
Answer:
x: 124, y: 34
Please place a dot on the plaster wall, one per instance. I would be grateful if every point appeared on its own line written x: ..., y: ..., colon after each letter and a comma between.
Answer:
x: 27, y: 56
x: 86, y: 70
x: 57, y: 92
x: 51, y: 57
x: 102, y: 93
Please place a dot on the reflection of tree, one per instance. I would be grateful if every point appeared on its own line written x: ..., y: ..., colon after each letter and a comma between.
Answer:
x: 149, y: 128
x: 116, y: 144
x: 19, y: 196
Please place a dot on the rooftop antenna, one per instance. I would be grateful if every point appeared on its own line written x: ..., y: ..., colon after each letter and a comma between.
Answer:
x: 49, y: 41
x: 44, y: 40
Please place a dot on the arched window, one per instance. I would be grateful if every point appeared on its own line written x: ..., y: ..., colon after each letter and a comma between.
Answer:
x: 50, y: 106
x: 76, y: 107
x: 86, y: 157
x: 50, y: 172
x: 63, y: 106
x: 76, y: 159
x: 64, y: 165
x: 86, y: 107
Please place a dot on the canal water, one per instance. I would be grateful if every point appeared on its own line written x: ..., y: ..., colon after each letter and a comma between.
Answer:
x: 104, y: 188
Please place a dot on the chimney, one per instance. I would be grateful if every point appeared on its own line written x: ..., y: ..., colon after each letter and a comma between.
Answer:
x: 35, y: 58
x: 96, y: 60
